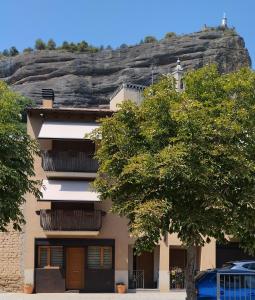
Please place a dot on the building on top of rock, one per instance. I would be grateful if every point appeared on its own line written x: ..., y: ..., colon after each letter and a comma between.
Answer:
x: 127, y: 91
x: 178, y: 76
x: 134, y: 92
x: 224, y: 22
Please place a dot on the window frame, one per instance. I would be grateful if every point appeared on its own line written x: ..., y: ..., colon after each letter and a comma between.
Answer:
x: 49, y: 249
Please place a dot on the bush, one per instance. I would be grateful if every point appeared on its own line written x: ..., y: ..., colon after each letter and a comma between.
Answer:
x: 51, y: 45
x: 13, y: 51
x: 65, y: 45
x: 28, y: 50
x: 6, y: 52
x: 123, y: 46
x: 150, y: 39
x: 40, y: 45
x: 170, y: 35
x: 82, y: 46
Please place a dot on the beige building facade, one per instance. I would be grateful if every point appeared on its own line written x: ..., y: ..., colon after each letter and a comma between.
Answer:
x: 72, y: 240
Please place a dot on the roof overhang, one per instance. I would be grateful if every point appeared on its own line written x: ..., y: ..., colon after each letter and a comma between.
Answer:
x: 68, y: 190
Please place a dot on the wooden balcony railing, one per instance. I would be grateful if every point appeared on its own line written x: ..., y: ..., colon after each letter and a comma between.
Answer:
x: 68, y: 161
x: 70, y: 220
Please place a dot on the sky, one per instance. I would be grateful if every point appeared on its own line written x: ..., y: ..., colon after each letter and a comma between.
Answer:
x: 114, y: 22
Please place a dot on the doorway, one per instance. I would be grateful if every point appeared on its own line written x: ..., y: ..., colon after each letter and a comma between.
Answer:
x: 75, y: 259
x: 145, y: 263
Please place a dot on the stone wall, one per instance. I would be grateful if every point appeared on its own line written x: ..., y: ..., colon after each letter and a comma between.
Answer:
x: 11, y: 271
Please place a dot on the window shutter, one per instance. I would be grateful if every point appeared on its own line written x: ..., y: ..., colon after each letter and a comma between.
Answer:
x: 56, y: 257
x: 94, y: 257
x: 43, y: 257
x: 107, y: 264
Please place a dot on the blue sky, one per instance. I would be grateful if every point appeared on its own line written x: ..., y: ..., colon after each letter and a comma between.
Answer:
x: 104, y: 22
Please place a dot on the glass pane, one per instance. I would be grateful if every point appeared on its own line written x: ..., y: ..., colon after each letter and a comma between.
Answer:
x: 94, y: 254
x: 107, y: 262
x: 56, y: 256
x: 43, y: 256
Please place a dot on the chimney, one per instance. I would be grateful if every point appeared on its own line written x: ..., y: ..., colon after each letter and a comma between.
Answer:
x: 47, y: 98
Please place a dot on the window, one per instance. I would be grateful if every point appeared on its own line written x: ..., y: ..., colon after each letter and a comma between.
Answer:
x: 99, y: 257
x: 50, y: 256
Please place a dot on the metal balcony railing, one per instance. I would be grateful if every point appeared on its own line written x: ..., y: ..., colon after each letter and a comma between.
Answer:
x: 68, y: 161
x: 70, y: 220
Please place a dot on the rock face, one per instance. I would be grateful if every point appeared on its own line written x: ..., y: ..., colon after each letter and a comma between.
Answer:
x: 88, y: 79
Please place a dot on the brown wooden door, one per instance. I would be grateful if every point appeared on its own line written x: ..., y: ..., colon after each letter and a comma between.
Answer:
x: 75, y: 268
x: 146, y: 262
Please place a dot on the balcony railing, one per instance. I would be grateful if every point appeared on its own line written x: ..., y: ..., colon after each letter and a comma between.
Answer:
x: 70, y: 220
x: 68, y: 161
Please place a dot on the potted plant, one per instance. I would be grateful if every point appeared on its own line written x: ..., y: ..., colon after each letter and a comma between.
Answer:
x: 121, y: 288
x: 28, y: 288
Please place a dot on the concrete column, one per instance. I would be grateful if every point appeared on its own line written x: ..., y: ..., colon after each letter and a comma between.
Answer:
x: 164, y: 265
x: 208, y: 256
x: 121, y: 261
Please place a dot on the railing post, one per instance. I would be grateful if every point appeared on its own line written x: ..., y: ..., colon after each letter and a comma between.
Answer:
x: 218, y: 286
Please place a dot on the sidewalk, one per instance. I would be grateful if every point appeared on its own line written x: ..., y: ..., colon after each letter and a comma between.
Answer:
x: 76, y: 296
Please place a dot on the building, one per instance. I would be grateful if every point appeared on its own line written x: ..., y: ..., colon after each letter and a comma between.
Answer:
x: 72, y: 241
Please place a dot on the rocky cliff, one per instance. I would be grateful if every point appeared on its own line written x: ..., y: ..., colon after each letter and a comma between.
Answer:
x: 87, y: 79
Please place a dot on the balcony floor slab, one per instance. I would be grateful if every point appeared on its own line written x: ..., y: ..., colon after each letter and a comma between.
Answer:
x: 70, y: 234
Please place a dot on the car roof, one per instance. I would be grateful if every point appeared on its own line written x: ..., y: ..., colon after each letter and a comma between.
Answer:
x: 241, y: 261
x: 228, y: 271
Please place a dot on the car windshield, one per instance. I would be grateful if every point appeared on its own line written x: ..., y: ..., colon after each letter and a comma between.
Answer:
x: 200, y: 275
x: 227, y: 266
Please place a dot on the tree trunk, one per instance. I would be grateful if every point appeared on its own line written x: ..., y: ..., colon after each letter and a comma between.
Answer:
x: 191, y: 272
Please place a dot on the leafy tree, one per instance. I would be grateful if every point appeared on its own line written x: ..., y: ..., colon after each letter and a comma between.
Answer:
x: 40, y: 45
x: 123, y: 46
x: 150, y: 39
x: 170, y: 35
x: 13, y: 51
x: 6, y: 52
x: 184, y: 162
x: 16, y: 159
x: 82, y: 46
x: 28, y: 50
x: 72, y: 47
x: 65, y: 45
x: 51, y: 45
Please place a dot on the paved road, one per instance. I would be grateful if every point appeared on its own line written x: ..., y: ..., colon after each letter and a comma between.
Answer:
x: 76, y: 296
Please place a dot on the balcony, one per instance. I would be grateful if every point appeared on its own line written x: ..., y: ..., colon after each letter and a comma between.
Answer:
x: 70, y: 221
x: 68, y: 161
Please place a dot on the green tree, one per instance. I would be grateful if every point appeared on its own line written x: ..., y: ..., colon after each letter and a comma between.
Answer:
x: 40, y: 45
x: 16, y: 159
x: 170, y: 35
x: 184, y: 162
x: 123, y: 46
x: 65, y: 45
x: 28, y: 50
x: 51, y: 45
x: 82, y: 46
x: 13, y: 51
x: 150, y: 39
x: 6, y: 52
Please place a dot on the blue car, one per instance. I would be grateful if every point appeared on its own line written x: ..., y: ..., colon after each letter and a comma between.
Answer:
x: 232, y: 285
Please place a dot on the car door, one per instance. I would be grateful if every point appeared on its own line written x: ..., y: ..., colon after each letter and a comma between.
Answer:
x: 207, y: 287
